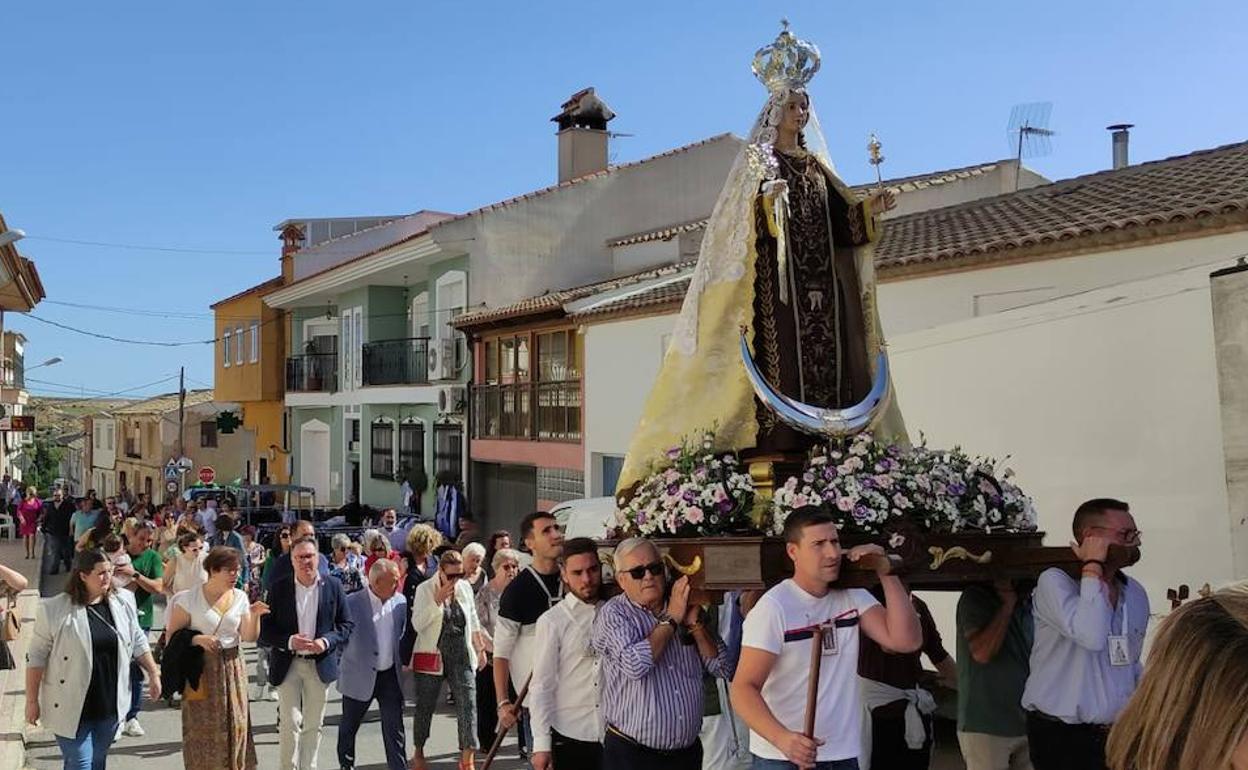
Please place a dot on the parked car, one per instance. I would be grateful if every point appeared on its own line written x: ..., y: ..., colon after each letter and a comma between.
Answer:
x: 590, y: 517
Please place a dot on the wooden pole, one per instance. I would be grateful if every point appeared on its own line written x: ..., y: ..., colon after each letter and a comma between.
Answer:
x: 812, y: 690
x: 502, y: 732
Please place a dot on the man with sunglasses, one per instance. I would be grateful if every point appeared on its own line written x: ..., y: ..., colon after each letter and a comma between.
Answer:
x: 563, y: 697
x: 534, y: 591
x: 654, y: 650
x: 1089, y: 634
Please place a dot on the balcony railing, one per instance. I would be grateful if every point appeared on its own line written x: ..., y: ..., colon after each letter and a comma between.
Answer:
x: 312, y: 373
x: 547, y: 411
x: 12, y: 373
x: 396, y: 362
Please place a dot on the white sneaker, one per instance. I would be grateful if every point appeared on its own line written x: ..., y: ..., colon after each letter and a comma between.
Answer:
x: 272, y: 694
x: 133, y: 729
x: 117, y: 735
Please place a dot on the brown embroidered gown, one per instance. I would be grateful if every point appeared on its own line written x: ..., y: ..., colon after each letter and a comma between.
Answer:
x: 812, y: 348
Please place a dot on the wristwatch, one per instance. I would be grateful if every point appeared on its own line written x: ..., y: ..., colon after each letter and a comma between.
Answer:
x: 668, y: 620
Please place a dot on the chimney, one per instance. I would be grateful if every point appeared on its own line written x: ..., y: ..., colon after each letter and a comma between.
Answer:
x: 582, y: 135
x: 1122, y: 138
x: 292, y: 241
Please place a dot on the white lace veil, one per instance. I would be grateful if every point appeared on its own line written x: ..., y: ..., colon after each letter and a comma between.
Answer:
x: 722, y: 256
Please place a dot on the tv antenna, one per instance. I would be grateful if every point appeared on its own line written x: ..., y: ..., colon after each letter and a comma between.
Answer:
x: 1029, y: 134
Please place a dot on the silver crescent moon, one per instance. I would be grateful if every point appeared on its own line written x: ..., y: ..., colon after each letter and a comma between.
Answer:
x: 822, y: 421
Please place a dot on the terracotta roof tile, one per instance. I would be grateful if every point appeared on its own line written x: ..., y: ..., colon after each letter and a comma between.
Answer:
x: 1181, y: 189
x: 165, y: 403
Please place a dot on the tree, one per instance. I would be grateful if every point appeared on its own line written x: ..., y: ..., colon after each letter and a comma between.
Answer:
x: 45, y: 468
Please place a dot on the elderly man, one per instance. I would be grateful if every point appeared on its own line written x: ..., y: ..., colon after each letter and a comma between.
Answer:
x: 567, y: 725
x: 371, y: 664
x: 308, y: 622
x: 652, y: 695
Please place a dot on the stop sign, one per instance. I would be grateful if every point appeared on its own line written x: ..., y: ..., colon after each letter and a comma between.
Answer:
x: 207, y: 474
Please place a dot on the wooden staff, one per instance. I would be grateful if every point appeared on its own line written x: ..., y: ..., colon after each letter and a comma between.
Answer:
x: 502, y: 733
x: 812, y: 690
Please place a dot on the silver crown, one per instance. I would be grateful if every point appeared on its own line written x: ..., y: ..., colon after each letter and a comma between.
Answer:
x: 789, y: 62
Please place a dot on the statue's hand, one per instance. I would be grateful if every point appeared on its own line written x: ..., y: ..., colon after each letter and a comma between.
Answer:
x: 882, y: 201
x: 775, y: 188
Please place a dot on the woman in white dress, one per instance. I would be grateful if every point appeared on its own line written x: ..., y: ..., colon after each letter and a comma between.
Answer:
x: 186, y: 569
x: 216, y: 720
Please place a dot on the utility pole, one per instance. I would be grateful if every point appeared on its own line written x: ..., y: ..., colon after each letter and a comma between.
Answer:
x: 181, y: 417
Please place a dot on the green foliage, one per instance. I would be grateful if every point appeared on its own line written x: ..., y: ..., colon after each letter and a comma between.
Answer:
x: 46, y: 465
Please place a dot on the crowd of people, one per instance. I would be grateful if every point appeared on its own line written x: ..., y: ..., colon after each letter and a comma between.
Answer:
x: 1048, y: 675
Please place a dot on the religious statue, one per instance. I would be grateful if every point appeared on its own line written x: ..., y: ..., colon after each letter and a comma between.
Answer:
x: 778, y: 345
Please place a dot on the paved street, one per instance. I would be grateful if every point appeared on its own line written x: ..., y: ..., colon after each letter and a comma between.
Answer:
x: 161, y: 747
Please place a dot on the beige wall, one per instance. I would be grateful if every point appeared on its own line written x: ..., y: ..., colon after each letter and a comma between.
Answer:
x: 910, y: 304
x: 1230, y: 319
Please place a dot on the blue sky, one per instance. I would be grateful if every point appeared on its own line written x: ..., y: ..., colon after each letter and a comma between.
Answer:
x: 199, y: 126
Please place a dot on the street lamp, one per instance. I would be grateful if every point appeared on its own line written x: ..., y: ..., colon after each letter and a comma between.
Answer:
x: 10, y: 236
x: 53, y: 361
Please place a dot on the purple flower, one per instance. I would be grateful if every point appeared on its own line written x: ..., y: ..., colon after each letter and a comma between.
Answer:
x: 673, y: 453
x: 957, y: 489
x: 868, y: 483
x: 861, y: 512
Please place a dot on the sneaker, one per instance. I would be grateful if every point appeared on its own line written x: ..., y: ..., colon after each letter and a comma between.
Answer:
x: 117, y: 735
x: 272, y: 694
x: 133, y: 728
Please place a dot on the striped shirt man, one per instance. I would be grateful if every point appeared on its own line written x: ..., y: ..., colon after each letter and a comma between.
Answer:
x: 656, y: 703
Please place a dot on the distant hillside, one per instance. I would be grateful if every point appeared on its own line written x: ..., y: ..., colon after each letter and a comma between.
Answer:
x: 64, y: 415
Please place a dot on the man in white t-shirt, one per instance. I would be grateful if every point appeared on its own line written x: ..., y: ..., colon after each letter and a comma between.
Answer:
x: 770, y: 686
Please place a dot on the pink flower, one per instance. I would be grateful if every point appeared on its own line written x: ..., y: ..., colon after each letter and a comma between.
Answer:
x: 694, y: 515
x: 845, y: 504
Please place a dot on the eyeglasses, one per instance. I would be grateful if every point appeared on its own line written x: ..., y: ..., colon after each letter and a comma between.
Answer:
x: 637, y: 573
x: 1128, y: 535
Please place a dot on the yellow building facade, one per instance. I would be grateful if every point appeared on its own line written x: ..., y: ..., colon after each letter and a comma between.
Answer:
x: 248, y: 368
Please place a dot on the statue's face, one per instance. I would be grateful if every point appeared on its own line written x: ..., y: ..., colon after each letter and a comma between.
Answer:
x: 796, y: 112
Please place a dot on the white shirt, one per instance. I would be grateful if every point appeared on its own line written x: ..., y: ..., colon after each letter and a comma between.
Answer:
x: 383, y: 623
x: 782, y: 624
x: 206, y: 620
x: 307, y: 602
x: 1072, y: 677
x: 563, y: 694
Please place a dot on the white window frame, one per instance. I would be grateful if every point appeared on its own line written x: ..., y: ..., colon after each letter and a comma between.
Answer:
x: 420, y: 315
x: 238, y: 346
x: 254, y: 353
x: 225, y: 348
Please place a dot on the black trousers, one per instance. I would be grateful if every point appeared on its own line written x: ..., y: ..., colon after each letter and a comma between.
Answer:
x: 58, y: 553
x: 888, y: 741
x: 487, y: 708
x: 1055, y: 745
x: 389, y: 697
x: 573, y: 754
x: 623, y: 754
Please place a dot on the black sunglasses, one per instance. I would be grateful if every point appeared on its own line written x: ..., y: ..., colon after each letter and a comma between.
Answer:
x: 453, y: 575
x: 654, y: 568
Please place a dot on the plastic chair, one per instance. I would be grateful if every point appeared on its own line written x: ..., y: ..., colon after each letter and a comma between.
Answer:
x: 7, y: 524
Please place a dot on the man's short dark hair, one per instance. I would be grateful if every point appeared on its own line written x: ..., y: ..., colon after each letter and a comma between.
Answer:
x: 305, y: 539
x: 1088, y: 513
x: 801, y: 518
x: 577, y: 546
x: 526, y: 524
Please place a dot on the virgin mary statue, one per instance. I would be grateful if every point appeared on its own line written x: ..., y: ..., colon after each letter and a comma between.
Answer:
x: 786, y: 264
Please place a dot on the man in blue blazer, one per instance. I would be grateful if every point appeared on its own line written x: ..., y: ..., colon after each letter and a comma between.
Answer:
x: 306, y: 627
x: 371, y: 665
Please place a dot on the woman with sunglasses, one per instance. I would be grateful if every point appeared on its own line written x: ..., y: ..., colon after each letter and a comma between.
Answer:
x: 346, y: 565
x: 78, y: 664
x: 280, y: 548
x: 444, y: 618
x: 186, y: 569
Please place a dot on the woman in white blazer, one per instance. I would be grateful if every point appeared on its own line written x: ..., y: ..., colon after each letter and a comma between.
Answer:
x: 444, y: 616
x: 78, y: 664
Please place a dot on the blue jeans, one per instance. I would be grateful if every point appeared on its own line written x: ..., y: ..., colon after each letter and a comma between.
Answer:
x: 88, y: 750
x: 783, y: 764
x: 136, y: 691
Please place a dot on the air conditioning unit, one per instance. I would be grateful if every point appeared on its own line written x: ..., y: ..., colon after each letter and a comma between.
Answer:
x: 452, y: 399
x: 353, y: 446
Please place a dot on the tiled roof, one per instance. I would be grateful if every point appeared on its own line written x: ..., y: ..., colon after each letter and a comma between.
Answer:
x: 663, y: 295
x: 553, y: 302
x: 163, y: 404
x: 272, y: 283
x: 899, y: 185
x: 1188, y: 190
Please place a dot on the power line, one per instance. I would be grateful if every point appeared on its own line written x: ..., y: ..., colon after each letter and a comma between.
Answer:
x: 124, y: 391
x: 111, y: 338
x: 136, y: 247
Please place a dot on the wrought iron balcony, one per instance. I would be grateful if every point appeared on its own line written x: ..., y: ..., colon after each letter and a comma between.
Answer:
x: 312, y: 373
x: 396, y: 362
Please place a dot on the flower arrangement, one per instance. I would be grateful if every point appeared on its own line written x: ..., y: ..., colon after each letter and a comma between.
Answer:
x: 876, y: 487
x: 701, y: 493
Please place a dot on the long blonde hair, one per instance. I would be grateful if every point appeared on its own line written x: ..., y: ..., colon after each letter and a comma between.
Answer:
x: 1191, y: 709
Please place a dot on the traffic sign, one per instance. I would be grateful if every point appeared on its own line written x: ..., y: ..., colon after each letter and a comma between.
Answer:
x: 186, y: 463
x: 18, y: 423
x: 207, y: 474
x: 171, y: 472
x: 171, y: 486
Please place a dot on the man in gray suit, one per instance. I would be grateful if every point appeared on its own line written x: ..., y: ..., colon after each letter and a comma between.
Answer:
x: 371, y: 665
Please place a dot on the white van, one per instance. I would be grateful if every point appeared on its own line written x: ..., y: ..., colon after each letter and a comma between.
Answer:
x: 590, y: 517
